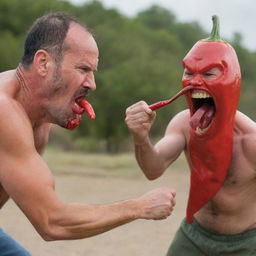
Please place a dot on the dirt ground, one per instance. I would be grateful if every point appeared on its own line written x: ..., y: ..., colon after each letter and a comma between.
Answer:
x: 96, y: 186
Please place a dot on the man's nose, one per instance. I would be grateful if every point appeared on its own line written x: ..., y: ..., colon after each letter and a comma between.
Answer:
x: 90, y: 82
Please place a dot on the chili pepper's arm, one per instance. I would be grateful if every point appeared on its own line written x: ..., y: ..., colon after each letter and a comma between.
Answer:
x: 154, y: 160
x: 167, y: 149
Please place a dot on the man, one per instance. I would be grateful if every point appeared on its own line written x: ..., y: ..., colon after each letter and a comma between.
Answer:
x: 220, y: 146
x: 49, y: 86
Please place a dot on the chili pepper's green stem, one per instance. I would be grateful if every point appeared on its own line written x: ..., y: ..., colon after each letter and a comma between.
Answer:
x: 215, y: 33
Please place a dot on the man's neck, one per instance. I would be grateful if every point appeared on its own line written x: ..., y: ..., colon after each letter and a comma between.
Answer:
x: 28, y: 96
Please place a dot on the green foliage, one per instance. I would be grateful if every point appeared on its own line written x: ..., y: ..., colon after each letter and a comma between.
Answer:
x: 189, y: 34
x: 9, y: 58
x: 140, y: 59
x: 157, y: 17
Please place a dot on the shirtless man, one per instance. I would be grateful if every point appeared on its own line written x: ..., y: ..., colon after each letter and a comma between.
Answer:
x: 49, y: 86
x: 223, y: 202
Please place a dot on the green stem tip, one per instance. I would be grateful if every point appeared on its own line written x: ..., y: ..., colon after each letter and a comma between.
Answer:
x: 215, y: 33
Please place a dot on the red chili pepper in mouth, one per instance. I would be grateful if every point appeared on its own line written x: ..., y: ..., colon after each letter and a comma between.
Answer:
x: 88, y: 108
x: 163, y: 103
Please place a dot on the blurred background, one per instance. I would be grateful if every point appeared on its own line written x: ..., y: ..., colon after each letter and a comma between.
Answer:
x: 142, y: 44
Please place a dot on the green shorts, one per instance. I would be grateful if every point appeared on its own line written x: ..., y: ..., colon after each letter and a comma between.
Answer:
x: 194, y: 240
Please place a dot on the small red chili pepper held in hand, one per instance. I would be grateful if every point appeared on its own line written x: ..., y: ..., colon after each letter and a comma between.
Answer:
x: 163, y: 103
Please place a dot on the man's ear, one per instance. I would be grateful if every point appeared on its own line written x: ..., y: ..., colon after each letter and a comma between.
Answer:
x: 42, y: 62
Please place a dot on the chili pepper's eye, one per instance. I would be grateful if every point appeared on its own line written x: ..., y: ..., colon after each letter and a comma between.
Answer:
x: 208, y: 74
x: 212, y: 73
x: 187, y: 73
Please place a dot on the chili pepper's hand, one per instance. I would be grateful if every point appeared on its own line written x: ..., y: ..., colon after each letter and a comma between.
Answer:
x: 156, y: 204
x: 139, y: 119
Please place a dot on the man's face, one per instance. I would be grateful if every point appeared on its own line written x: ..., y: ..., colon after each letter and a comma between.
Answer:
x: 73, y: 78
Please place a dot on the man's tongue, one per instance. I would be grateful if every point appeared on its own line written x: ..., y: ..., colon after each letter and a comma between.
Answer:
x: 202, y: 117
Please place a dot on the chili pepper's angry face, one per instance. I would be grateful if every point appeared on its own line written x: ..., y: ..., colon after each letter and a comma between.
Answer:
x: 215, y: 79
x: 200, y: 99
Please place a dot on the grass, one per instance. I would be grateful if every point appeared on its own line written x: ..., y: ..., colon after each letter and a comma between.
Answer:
x: 68, y: 162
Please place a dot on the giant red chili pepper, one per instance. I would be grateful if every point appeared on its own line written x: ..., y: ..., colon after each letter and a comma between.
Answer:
x: 212, y: 122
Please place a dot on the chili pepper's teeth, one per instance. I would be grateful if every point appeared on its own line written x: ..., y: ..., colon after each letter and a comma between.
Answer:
x: 203, y: 111
x: 195, y: 94
x: 199, y: 130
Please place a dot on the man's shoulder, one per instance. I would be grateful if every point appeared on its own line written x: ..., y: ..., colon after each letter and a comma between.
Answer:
x: 17, y: 139
x: 181, y: 117
x: 6, y: 104
x: 244, y: 124
x: 180, y: 122
x: 9, y: 107
x: 14, y: 121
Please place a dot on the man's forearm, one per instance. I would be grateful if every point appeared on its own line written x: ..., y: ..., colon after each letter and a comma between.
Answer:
x: 149, y: 160
x: 74, y: 221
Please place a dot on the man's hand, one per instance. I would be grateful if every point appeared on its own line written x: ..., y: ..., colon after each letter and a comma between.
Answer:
x: 157, y: 204
x: 139, y: 119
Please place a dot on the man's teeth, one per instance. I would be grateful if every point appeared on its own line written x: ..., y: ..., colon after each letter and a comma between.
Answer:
x: 200, y: 95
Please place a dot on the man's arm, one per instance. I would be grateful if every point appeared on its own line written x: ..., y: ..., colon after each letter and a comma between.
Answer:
x: 27, y: 179
x: 154, y: 160
x: 3, y: 197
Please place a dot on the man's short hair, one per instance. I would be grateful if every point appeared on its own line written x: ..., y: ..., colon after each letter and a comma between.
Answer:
x: 48, y: 32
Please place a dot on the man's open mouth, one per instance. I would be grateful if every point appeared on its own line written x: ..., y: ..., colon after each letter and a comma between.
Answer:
x: 81, y: 105
x: 77, y: 108
x: 83, y: 96
x: 203, y: 110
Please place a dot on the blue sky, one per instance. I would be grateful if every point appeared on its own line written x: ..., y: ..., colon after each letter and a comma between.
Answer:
x: 235, y: 15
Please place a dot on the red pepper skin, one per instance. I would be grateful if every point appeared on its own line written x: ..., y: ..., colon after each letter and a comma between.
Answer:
x: 210, y: 152
x: 88, y: 108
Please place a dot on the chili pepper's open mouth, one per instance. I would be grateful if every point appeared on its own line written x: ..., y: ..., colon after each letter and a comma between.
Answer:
x: 203, y: 111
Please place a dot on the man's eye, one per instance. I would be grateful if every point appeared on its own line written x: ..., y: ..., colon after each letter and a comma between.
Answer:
x: 85, y: 69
